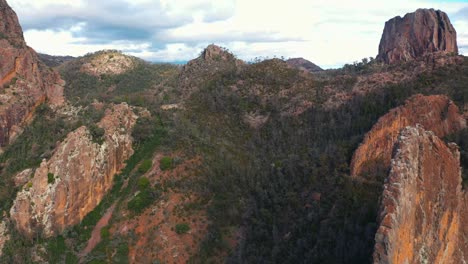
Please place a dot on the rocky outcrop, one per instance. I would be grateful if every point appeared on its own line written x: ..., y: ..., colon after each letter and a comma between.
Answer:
x: 65, y: 188
x: 424, y: 31
x: 24, y: 81
x: 303, y: 64
x: 435, y: 113
x: 108, y: 63
x: 422, y: 207
x: 212, y: 61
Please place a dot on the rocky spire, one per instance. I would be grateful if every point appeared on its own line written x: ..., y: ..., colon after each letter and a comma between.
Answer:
x: 424, y: 31
x: 9, y: 25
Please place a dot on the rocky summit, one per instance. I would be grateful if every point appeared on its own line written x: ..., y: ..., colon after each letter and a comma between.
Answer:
x: 416, y: 34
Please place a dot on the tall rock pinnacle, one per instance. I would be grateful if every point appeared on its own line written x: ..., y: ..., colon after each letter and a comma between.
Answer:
x: 424, y: 31
x: 24, y: 80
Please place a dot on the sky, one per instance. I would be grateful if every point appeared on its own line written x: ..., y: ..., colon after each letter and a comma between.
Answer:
x: 329, y: 33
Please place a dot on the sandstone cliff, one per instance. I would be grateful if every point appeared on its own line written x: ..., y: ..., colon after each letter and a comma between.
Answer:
x: 435, y: 113
x: 75, y: 179
x: 24, y: 81
x: 421, y: 212
x: 424, y: 31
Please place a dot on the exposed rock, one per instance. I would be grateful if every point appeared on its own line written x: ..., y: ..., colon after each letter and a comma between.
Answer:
x: 256, y: 120
x: 76, y: 178
x: 435, y: 113
x: 424, y: 31
x: 421, y: 209
x: 25, y: 82
x: 304, y: 64
x: 211, y: 61
x: 4, y: 232
x: 108, y: 62
x: 23, y: 177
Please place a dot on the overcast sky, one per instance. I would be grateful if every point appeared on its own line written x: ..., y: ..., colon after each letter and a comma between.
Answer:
x: 329, y: 33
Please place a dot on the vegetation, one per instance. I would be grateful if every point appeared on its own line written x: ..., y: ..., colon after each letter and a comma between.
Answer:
x: 182, y: 228
x: 166, y: 163
x: 145, y: 166
x: 105, y: 233
x: 50, y: 178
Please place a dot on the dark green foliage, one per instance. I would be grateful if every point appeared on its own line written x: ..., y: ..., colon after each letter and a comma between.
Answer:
x: 461, y: 138
x: 105, y: 232
x: 97, y: 133
x: 272, y: 173
x: 166, y: 163
x: 182, y: 228
x: 143, y: 129
x: 141, y: 201
x: 145, y: 166
x: 50, y: 178
x: 143, y: 183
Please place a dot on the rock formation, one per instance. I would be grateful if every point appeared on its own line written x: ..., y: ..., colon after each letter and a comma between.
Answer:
x: 435, y: 113
x: 304, y: 64
x: 424, y: 31
x: 25, y: 82
x: 422, y: 207
x: 109, y: 63
x: 211, y: 61
x: 75, y: 179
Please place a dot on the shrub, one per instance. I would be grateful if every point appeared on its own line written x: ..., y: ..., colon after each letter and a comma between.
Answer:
x: 143, y: 183
x: 50, y: 178
x: 182, y: 228
x: 165, y: 163
x: 145, y: 166
x: 105, y: 232
x: 97, y: 133
x: 140, y: 201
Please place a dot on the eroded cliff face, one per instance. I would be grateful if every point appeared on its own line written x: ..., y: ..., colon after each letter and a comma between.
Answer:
x: 75, y: 179
x: 435, y: 113
x: 422, y: 213
x: 424, y: 31
x: 24, y: 81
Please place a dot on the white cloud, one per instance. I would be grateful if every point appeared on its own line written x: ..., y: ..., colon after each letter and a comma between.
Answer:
x: 327, y: 32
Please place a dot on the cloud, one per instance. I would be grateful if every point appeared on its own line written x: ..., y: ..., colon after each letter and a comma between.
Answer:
x: 329, y: 33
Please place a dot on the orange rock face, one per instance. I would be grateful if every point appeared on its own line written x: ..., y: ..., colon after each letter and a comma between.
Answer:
x: 24, y: 81
x: 422, y: 213
x: 424, y: 31
x: 67, y: 187
x: 435, y: 113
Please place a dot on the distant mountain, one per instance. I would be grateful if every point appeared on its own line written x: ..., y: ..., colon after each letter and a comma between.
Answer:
x: 54, y: 61
x: 304, y: 64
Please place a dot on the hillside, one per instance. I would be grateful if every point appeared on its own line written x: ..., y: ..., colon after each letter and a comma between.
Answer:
x: 226, y: 161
